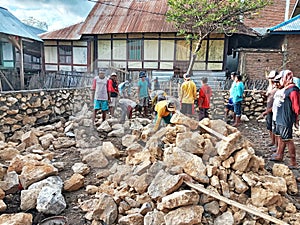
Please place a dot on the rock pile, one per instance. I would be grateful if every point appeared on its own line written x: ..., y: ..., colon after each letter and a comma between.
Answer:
x: 147, y: 178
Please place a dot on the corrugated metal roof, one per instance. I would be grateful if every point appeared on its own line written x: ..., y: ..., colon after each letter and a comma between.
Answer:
x: 68, y: 33
x: 125, y: 16
x: 11, y: 25
x: 130, y: 16
x: 291, y: 25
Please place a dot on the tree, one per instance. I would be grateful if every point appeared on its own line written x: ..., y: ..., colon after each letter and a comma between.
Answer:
x: 196, y: 19
x: 35, y: 23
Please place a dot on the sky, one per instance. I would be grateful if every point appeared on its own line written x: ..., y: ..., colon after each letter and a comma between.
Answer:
x: 56, y: 13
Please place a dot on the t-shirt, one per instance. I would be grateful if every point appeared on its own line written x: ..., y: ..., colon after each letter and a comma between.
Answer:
x: 127, y: 102
x: 143, y: 86
x: 204, y: 97
x: 100, y: 87
x: 188, y: 92
x: 278, y: 100
x: 113, y: 88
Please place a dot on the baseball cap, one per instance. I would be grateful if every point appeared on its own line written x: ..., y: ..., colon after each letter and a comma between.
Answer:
x: 186, y: 76
x: 278, y: 77
x: 142, y: 74
x: 171, y: 106
x: 272, y: 74
x: 113, y: 74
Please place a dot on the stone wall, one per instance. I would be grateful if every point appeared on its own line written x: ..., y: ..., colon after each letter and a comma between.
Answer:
x: 253, y: 105
x: 30, y: 108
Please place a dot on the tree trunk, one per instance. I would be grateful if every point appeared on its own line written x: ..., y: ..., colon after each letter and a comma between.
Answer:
x: 194, y: 56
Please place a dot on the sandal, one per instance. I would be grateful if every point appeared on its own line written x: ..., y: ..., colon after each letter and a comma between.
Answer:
x: 276, y: 158
x: 291, y: 167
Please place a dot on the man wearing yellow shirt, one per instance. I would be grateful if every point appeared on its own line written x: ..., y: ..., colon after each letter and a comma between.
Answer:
x: 164, y: 110
x: 188, y: 94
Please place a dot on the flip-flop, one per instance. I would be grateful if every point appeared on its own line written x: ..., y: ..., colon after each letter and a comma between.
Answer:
x: 273, y: 158
x: 292, y: 167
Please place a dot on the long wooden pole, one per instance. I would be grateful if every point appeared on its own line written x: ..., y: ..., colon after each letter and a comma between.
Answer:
x: 251, y: 210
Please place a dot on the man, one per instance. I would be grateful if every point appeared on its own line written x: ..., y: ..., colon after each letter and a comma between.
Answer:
x: 229, y: 106
x: 156, y: 85
x: 122, y: 87
x: 268, y: 112
x: 188, y: 94
x: 113, y: 93
x: 287, y: 114
x: 205, y: 94
x: 143, y: 92
x: 236, y: 92
x: 100, y: 96
x: 164, y: 110
x: 127, y: 106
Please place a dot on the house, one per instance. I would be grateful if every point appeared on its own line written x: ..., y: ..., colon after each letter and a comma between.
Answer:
x: 131, y: 35
x: 20, y: 52
x: 277, y: 48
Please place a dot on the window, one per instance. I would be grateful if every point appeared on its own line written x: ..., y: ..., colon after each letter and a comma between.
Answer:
x: 134, y: 49
x: 65, y: 54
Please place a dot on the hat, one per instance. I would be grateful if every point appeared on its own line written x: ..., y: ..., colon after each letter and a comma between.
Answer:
x: 171, y: 106
x: 142, y: 74
x: 278, y: 77
x: 186, y: 76
x: 272, y: 74
x: 113, y: 74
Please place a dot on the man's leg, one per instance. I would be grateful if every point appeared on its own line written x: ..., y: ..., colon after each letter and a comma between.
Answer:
x: 292, y: 151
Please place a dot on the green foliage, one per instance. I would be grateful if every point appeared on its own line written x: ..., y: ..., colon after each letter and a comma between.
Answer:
x: 198, y: 18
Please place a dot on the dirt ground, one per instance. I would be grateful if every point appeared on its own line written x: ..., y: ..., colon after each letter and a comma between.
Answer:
x: 253, y: 130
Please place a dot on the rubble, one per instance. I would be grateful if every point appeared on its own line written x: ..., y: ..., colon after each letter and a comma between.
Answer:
x: 185, y: 173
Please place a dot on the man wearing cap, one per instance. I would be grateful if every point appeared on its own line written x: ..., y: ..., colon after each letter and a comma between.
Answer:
x: 288, y: 109
x: 143, y: 92
x: 270, y: 99
x: 113, y: 93
x: 188, y: 94
x: 164, y: 110
x: 100, y: 96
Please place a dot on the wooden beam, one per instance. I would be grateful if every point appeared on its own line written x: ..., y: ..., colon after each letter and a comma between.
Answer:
x: 213, y: 132
x: 122, y: 71
x: 253, y: 210
x: 2, y: 75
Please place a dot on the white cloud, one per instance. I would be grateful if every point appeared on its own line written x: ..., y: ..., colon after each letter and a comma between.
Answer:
x: 56, y: 13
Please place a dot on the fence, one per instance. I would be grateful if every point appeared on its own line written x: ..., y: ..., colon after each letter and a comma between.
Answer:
x: 170, y: 84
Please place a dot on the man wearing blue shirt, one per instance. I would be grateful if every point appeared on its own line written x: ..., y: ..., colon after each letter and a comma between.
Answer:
x: 236, y: 92
x: 143, y: 92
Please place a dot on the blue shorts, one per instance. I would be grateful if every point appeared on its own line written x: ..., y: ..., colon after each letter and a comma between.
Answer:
x: 237, y: 108
x: 101, y: 104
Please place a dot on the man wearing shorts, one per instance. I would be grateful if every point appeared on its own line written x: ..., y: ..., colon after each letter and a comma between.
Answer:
x: 287, y: 115
x: 100, y: 96
x: 188, y: 94
x: 143, y: 92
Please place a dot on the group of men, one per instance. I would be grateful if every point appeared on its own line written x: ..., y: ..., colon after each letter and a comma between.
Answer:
x: 282, y: 113
x: 105, y: 93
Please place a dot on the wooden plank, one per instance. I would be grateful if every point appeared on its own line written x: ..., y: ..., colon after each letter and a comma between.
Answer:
x: 253, y: 210
x: 213, y: 132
